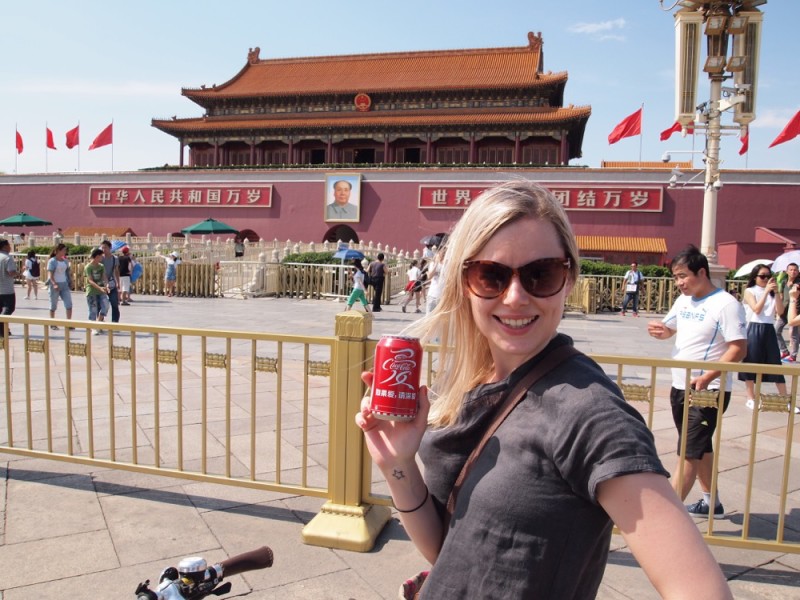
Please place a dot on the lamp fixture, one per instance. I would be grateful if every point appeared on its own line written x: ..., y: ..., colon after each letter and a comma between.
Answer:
x: 715, y: 24
x: 736, y: 64
x: 737, y: 24
x: 714, y: 64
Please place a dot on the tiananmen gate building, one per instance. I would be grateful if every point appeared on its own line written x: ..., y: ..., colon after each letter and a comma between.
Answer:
x: 410, y: 138
x: 491, y: 105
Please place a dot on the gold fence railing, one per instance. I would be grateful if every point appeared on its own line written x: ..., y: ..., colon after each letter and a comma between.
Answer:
x: 275, y: 412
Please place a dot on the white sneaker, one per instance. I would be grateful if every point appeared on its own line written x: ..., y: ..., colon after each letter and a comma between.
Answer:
x: 750, y: 404
x: 796, y: 409
x: 98, y: 332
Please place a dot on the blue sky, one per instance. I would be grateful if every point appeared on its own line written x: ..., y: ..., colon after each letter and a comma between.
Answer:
x: 92, y: 62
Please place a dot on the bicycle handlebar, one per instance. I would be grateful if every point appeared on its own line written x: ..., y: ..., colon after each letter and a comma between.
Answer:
x: 260, y: 558
x: 194, y: 579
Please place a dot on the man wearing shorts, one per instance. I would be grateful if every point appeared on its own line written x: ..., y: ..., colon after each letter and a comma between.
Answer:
x: 710, y: 327
x: 125, y: 267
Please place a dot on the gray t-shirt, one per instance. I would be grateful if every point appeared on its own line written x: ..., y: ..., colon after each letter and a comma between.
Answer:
x: 8, y: 268
x: 526, y: 522
x: 109, y: 262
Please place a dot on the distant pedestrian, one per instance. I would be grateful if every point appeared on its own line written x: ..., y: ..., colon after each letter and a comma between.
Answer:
x: 171, y: 273
x: 762, y: 303
x: 96, y: 288
x: 125, y: 269
x: 111, y: 264
x: 632, y: 280
x: 59, y: 278
x: 786, y: 280
x: 8, y: 271
x: 32, y: 273
x: 377, y: 277
x: 359, y: 289
x: 238, y: 247
x: 413, y: 286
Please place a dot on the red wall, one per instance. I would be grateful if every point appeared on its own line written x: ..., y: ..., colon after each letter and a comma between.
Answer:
x: 389, y: 204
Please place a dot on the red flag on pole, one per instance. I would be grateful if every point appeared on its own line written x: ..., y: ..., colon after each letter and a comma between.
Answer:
x: 73, y: 137
x: 676, y: 128
x: 50, y: 143
x: 19, y: 143
x: 629, y: 126
x: 667, y: 133
x: 745, y: 139
x: 791, y: 131
x: 104, y: 138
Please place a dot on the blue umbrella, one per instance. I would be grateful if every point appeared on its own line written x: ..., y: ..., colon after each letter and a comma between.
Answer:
x: 348, y: 254
x: 117, y: 245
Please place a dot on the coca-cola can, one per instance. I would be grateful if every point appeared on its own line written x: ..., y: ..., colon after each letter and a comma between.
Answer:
x: 395, y: 385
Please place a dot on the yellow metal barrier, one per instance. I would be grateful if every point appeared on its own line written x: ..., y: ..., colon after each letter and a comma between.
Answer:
x: 254, y: 409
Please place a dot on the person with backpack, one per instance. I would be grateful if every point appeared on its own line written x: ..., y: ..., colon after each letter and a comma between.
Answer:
x: 32, y: 272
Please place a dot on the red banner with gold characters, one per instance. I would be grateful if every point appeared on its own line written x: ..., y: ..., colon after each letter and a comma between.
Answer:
x: 240, y: 195
x: 618, y: 198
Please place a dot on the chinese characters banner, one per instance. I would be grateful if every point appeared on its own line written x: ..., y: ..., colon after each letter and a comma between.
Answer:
x: 244, y: 195
x: 572, y: 197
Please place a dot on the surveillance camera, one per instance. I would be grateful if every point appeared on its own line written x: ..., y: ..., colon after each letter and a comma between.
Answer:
x: 666, y: 157
x: 717, y: 184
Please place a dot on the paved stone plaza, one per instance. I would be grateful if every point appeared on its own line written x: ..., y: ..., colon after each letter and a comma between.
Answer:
x: 73, y: 531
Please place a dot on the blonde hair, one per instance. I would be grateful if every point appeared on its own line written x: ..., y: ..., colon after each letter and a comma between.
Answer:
x: 465, y: 360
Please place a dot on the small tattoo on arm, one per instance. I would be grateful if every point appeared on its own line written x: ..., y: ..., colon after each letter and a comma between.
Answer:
x: 398, y: 474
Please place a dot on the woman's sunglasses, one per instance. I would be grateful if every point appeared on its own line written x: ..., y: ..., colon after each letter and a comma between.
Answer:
x: 541, y: 278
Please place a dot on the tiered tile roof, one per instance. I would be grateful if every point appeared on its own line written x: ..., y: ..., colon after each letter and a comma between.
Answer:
x: 471, y: 69
x: 356, y: 120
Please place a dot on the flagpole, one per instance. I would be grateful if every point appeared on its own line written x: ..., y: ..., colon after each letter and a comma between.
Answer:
x: 46, y: 147
x: 16, y: 152
x: 79, y: 146
x: 641, y: 137
x: 112, y: 146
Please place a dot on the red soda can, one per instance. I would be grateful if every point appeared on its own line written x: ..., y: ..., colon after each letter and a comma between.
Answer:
x: 395, y: 385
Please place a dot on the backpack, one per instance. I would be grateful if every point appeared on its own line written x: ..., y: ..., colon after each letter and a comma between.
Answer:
x: 35, y: 268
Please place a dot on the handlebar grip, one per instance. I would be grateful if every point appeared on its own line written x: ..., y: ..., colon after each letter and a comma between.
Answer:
x: 261, y: 558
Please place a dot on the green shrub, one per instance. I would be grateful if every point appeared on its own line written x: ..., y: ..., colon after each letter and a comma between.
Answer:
x: 593, y: 267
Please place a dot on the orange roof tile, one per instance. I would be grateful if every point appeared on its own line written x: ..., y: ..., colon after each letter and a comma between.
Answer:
x: 388, y: 72
x: 606, y: 243
x: 376, y: 119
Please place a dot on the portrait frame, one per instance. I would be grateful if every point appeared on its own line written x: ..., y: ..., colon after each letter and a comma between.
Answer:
x: 350, y: 214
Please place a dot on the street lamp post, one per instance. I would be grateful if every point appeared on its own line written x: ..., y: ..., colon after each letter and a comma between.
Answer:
x: 721, y: 20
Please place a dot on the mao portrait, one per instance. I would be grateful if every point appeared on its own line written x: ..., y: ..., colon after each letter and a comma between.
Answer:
x: 343, y: 197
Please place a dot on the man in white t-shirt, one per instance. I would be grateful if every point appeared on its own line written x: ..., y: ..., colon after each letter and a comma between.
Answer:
x: 710, y: 326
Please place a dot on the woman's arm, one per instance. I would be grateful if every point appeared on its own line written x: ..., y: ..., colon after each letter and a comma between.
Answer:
x: 662, y: 537
x: 750, y: 300
x: 393, y: 446
x: 793, y: 319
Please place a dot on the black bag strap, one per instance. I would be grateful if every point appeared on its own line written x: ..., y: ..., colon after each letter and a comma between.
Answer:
x: 509, y: 403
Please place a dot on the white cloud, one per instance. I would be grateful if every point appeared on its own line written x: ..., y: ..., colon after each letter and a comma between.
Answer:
x: 594, y: 28
x: 776, y: 118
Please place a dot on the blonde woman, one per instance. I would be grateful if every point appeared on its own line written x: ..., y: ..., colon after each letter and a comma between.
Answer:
x: 533, y: 517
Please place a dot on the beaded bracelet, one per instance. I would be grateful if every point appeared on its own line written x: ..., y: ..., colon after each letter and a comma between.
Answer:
x: 421, y: 504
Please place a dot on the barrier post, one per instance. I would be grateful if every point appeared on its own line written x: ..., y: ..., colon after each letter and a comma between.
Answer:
x: 345, y: 522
